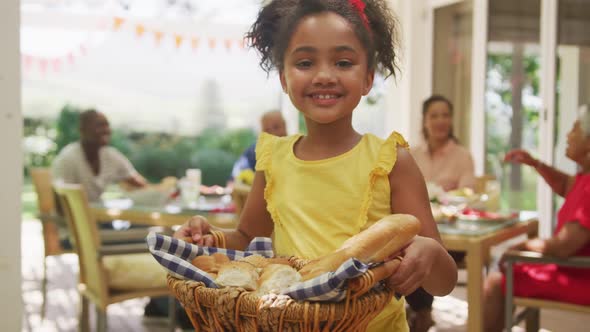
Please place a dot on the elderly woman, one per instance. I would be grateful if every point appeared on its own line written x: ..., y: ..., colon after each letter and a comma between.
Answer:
x: 441, y: 159
x: 571, y: 237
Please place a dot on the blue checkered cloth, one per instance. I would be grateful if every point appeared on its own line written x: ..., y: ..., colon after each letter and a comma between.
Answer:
x: 176, y: 255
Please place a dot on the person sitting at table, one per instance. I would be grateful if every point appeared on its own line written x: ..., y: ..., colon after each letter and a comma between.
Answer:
x: 447, y: 164
x: 91, y: 162
x: 571, y: 236
x: 441, y: 159
x: 271, y: 122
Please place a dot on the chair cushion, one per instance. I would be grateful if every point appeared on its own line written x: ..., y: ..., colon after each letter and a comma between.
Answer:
x: 134, y: 271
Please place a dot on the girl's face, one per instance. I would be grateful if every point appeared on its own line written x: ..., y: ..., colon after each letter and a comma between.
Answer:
x: 325, y: 68
x: 438, y: 121
x: 578, y: 145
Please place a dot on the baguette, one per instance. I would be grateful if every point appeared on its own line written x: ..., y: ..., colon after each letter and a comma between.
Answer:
x: 373, y: 245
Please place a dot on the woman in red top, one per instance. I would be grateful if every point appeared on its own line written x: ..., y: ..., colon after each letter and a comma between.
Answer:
x: 571, y: 237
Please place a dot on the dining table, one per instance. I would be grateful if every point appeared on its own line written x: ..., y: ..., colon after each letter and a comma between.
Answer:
x: 476, y: 238
x: 218, y: 209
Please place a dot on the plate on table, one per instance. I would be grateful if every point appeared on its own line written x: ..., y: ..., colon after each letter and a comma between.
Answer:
x: 481, y: 215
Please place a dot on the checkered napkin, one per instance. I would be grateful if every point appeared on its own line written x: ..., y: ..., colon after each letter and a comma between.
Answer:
x: 176, y: 256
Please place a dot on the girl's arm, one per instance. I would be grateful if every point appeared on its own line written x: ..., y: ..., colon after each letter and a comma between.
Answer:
x: 426, y: 262
x: 254, y: 219
x: 570, y: 238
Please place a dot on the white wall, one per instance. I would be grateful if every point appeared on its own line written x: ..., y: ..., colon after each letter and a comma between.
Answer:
x: 405, y: 94
x: 10, y: 168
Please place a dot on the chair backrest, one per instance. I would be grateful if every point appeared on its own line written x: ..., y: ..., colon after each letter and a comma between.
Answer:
x: 46, y: 204
x: 42, y: 181
x: 239, y: 195
x: 83, y: 225
x: 481, y: 182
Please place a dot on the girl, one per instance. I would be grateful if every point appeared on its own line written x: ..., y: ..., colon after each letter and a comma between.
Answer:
x: 316, y: 191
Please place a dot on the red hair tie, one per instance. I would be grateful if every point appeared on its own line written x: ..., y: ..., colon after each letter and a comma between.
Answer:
x: 359, y: 5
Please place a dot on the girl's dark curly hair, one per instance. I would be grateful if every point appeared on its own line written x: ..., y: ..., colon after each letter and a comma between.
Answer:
x: 277, y: 20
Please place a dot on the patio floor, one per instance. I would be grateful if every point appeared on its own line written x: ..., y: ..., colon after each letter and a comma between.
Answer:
x: 450, y: 312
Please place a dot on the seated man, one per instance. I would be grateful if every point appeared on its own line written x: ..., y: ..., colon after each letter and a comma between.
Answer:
x: 272, y: 122
x: 91, y: 163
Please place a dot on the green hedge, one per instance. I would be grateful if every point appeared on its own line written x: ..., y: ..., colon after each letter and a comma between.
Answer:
x: 154, y: 155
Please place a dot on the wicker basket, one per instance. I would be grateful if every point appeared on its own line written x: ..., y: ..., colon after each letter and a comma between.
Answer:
x: 235, y: 309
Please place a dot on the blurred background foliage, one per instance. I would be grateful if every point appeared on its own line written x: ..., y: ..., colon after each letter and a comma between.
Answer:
x: 154, y: 154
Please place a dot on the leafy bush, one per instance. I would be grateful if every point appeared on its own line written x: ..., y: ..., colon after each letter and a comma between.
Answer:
x: 67, y: 126
x: 154, y: 155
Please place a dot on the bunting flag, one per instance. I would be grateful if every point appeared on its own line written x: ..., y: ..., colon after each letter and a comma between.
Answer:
x: 56, y: 64
x: 179, y: 39
x: 44, y: 64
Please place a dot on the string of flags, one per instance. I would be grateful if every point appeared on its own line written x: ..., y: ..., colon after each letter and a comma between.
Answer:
x: 56, y: 64
x: 180, y: 39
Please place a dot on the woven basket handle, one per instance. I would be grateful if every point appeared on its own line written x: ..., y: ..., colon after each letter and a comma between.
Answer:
x: 218, y: 239
x: 362, y: 284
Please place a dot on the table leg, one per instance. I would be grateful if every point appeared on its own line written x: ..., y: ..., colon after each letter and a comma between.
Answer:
x: 475, y: 288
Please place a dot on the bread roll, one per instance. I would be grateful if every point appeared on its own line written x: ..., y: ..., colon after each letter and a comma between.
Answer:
x: 220, y: 258
x: 238, y: 274
x: 256, y: 260
x: 383, y: 239
x: 277, y: 277
x: 205, y: 263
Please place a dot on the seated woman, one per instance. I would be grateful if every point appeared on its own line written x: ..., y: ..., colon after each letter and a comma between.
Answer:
x: 571, y: 237
x: 447, y: 164
x: 441, y: 159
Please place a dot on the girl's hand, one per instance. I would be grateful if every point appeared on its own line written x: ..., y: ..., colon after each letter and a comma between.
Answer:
x: 522, y: 157
x: 415, y: 267
x: 198, y: 230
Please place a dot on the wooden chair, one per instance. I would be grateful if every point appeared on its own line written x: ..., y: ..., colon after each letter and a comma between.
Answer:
x: 532, y: 306
x: 239, y: 195
x: 93, y: 280
x: 481, y: 182
x: 49, y: 218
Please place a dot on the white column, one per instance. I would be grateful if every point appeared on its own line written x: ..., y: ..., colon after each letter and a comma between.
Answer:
x: 568, y: 103
x: 404, y: 94
x: 478, y: 83
x: 10, y: 168
x: 546, y: 123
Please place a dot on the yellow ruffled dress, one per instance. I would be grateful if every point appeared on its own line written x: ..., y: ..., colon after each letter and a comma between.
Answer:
x: 317, y: 205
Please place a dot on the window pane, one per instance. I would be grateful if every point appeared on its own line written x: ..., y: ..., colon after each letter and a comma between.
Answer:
x: 512, y: 96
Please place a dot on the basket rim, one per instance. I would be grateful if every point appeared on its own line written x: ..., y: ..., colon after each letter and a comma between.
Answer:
x: 204, y: 297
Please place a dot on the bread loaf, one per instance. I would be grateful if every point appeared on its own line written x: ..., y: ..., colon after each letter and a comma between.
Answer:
x: 383, y: 239
x: 205, y: 263
x: 277, y: 277
x: 256, y: 260
x: 238, y: 274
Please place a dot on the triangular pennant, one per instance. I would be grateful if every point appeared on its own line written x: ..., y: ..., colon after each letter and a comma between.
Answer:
x: 56, y: 64
x: 27, y: 61
x: 139, y: 30
x: 228, y: 43
x: 70, y: 58
x: 212, y: 43
x: 43, y: 65
x: 118, y: 22
x: 195, y: 42
x: 158, y: 35
x: 178, y: 40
